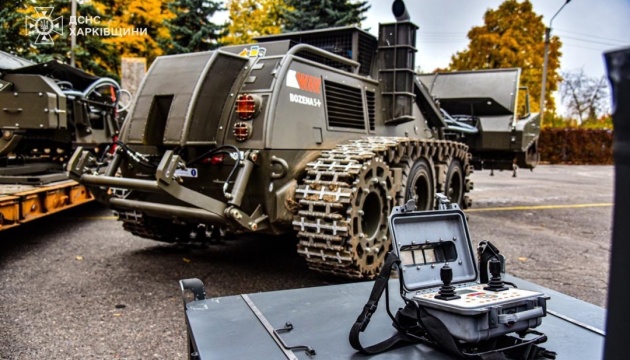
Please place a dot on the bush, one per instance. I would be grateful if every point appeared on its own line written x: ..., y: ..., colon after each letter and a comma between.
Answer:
x: 576, y: 146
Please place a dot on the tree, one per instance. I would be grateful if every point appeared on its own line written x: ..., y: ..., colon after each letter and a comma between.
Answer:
x: 318, y: 14
x: 13, y: 37
x: 191, y: 29
x: 91, y: 53
x: 143, y: 24
x: 585, y: 97
x: 251, y: 18
x: 512, y: 36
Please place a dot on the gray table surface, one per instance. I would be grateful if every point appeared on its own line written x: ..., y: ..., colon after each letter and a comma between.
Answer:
x: 226, y: 328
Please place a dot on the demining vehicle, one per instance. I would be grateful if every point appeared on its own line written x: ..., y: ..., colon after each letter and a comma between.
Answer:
x: 318, y: 132
x: 481, y: 108
x: 47, y: 110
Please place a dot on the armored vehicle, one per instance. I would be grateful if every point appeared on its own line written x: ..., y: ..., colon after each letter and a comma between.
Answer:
x: 483, y: 109
x: 47, y: 110
x: 318, y: 132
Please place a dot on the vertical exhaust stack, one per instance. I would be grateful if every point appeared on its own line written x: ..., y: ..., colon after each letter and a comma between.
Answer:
x: 396, y: 63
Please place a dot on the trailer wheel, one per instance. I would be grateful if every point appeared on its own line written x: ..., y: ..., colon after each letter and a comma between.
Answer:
x: 454, y: 184
x: 418, y: 183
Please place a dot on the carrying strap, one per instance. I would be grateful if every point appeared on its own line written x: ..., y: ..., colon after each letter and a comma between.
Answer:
x: 415, y: 324
x: 380, y: 284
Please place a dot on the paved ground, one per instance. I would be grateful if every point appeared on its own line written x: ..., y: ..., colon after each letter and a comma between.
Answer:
x: 76, y: 286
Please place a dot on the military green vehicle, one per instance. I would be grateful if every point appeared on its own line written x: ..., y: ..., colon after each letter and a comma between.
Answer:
x: 483, y: 109
x: 46, y: 111
x: 318, y: 132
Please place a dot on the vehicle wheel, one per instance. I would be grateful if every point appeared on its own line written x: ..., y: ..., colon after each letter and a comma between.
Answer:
x: 418, y: 183
x: 454, y: 184
x: 369, y: 211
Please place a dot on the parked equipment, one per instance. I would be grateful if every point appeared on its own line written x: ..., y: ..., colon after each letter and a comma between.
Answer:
x: 319, y: 132
x: 46, y: 111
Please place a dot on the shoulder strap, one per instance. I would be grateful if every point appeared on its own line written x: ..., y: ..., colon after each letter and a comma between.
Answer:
x: 428, y: 329
x: 380, y: 284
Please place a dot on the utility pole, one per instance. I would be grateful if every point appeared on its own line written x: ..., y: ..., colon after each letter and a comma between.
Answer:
x: 544, y: 74
x: 73, y: 31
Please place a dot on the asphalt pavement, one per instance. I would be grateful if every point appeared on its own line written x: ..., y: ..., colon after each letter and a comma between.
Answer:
x: 75, y: 285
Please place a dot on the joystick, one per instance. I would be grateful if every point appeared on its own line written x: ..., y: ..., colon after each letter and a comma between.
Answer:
x: 495, y: 283
x: 447, y: 291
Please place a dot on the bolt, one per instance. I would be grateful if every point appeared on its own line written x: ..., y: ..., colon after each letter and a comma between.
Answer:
x: 235, y: 214
x: 361, y: 235
x: 361, y: 212
x: 253, y: 226
x: 254, y: 156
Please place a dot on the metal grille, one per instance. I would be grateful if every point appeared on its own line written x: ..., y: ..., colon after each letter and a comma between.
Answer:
x: 367, y: 52
x: 344, y: 106
x: 340, y: 43
x: 371, y: 106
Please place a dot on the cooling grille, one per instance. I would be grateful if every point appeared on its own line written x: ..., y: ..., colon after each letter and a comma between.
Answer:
x: 344, y: 106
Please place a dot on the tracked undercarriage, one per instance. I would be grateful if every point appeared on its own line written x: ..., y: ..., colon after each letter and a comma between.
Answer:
x: 349, y: 191
x: 318, y: 133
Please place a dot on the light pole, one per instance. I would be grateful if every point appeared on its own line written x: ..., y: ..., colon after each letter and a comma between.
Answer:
x: 73, y: 28
x: 544, y: 74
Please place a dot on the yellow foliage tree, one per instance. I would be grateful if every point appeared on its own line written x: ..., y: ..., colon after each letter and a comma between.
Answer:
x: 132, y: 18
x: 512, y: 36
x: 251, y: 18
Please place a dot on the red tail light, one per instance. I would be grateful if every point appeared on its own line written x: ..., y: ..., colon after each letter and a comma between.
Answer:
x: 242, y: 131
x: 247, y: 106
x: 214, y: 160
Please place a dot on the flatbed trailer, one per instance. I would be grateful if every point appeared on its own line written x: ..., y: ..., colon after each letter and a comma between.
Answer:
x: 20, y: 204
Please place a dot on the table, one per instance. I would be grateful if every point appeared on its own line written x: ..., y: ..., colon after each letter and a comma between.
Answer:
x: 228, y: 327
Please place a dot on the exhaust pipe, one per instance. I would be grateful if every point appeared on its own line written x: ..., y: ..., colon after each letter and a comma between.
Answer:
x: 400, y: 10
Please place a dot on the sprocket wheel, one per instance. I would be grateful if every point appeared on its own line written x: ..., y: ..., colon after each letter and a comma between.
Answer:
x: 370, y: 205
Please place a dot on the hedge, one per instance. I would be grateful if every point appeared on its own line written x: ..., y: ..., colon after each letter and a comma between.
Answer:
x: 576, y: 146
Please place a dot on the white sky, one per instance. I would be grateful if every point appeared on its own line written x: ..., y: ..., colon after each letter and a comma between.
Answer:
x: 586, y: 28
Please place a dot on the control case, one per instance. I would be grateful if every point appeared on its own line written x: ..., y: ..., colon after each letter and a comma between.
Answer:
x: 427, y: 240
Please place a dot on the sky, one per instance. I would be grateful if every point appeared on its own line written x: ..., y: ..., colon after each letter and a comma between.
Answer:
x: 587, y: 28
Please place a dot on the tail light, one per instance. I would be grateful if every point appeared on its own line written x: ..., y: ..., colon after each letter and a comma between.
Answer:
x: 214, y: 160
x: 247, y: 106
x: 242, y: 131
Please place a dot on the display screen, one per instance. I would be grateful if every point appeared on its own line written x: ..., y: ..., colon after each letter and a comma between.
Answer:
x: 428, y: 253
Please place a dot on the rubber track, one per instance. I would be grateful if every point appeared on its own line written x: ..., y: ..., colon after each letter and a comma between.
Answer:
x: 322, y: 222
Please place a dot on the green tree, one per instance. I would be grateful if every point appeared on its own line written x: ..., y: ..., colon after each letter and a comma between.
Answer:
x: 512, y: 36
x: 252, y: 18
x: 191, y: 29
x: 13, y: 37
x: 318, y: 14
x: 92, y: 54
